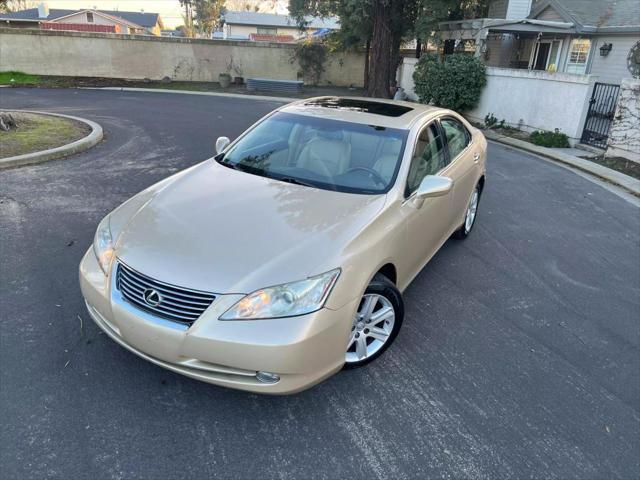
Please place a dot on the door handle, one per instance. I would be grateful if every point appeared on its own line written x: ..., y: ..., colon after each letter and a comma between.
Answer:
x: 476, y: 157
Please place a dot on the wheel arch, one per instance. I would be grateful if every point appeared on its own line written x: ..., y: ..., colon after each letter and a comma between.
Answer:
x: 388, y: 270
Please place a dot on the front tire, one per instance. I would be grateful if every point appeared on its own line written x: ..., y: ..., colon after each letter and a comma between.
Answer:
x: 376, y: 323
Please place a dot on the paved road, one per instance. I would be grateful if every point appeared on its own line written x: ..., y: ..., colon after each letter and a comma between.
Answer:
x: 519, y: 356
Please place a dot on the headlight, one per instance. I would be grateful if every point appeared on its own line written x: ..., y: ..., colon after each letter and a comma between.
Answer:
x: 288, y: 300
x: 103, y: 245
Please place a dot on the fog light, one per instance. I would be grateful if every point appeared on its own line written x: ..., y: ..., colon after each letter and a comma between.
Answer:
x: 266, y: 377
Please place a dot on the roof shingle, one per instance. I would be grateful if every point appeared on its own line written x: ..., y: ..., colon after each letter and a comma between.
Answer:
x: 147, y: 20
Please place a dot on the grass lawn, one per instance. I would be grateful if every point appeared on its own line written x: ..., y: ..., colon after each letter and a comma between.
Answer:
x: 39, y: 132
x: 18, y: 78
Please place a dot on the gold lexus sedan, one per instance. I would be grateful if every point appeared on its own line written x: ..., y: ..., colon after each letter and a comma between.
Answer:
x: 282, y: 259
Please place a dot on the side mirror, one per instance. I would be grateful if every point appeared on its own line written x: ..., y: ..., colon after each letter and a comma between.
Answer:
x: 221, y: 144
x: 432, y: 186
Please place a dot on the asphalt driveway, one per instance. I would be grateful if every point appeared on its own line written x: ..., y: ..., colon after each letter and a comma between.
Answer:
x: 519, y: 356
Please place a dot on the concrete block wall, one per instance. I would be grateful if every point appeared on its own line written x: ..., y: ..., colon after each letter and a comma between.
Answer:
x: 86, y: 54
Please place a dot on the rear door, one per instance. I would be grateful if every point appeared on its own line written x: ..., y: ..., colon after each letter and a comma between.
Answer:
x: 463, y: 166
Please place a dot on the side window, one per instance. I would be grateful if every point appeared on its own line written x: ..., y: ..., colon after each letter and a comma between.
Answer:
x: 458, y: 136
x: 429, y: 157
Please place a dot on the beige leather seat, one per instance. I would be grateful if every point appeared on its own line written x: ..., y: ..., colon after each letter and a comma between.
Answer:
x: 325, y: 156
x: 388, y: 159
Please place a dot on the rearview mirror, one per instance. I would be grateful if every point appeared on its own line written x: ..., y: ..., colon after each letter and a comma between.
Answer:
x: 433, y: 186
x: 221, y: 144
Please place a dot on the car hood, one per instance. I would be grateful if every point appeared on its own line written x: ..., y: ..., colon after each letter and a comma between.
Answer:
x: 225, y: 231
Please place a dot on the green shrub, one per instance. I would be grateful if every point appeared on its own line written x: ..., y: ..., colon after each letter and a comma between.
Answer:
x: 311, y: 57
x: 549, y: 139
x: 455, y: 83
x: 490, y: 120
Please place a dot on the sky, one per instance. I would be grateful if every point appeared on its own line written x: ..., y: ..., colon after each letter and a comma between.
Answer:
x: 169, y: 10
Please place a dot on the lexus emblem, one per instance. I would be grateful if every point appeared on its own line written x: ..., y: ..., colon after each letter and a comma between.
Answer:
x: 152, y: 297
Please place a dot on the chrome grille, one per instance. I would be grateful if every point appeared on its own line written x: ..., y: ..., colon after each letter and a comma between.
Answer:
x: 175, y: 303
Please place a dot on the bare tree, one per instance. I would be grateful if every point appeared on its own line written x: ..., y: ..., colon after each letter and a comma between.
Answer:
x: 16, y: 5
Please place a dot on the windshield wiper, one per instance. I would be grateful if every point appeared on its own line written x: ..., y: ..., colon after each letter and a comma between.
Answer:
x: 226, y: 163
x: 295, y: 181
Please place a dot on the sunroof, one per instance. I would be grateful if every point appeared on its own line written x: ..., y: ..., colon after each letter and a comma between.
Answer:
x: 365, y: 106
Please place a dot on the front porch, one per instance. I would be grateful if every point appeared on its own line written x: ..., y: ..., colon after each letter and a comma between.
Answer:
x: 530, y: 44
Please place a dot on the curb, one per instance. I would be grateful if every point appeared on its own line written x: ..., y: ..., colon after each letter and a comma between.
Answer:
x: 627, y: 182
x: 195, y: 92
x: 53, y: 153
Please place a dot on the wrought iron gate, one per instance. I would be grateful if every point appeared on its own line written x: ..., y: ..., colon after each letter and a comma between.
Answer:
x: 602, y: 107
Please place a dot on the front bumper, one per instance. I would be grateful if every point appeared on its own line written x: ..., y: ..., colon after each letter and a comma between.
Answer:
x: 302, y: 350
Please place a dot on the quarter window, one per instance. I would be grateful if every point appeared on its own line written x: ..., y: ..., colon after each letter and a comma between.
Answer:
x: 458, y: 136
x: 578, y: 55
x: 429, y: 157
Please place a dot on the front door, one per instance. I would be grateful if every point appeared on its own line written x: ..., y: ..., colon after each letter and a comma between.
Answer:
x: 428, y: 220
x: 542, y: 56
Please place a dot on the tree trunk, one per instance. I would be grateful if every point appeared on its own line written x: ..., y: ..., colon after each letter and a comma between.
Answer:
x: 367, y: 53
x: 380, y: 51
x: 418, y: 47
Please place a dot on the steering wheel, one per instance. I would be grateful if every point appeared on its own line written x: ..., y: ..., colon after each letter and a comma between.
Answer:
x: 374, y: 175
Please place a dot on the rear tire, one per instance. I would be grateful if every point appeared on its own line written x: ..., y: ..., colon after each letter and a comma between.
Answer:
x: 470, y: 215
x: 376, y: 323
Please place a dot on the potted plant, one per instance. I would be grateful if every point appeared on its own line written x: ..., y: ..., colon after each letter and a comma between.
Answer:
x: 224, y: 79
x: 237, y: 71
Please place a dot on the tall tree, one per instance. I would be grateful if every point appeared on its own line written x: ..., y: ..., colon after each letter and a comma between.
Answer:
x: 378, y: 23
x: 207, y: 15
x: 384, y: 25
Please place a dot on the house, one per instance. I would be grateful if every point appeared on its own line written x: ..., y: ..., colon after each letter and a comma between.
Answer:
x: 570, y: 36
x: 271, y: 26
x: 552, y: 64
x: 135, y: 23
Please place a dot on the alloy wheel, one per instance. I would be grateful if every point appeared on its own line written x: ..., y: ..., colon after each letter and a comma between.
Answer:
x: 470, y: 216
x: 371, y: 328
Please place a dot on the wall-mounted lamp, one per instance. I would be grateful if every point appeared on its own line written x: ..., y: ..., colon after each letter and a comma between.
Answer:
x: 605, y: 49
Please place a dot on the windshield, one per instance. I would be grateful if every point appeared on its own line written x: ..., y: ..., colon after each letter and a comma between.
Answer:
x: 319, y: 152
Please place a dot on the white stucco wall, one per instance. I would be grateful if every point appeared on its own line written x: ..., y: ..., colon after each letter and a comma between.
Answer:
x: 534, y: 100
x: 530, y: 100
x: 405, y: 76
x: 44, y: 52
x: 624, y: 137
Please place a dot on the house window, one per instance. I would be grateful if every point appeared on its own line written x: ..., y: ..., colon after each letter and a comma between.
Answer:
x: 578, y: 56
x: 89, y: 17
x: 267, y: 31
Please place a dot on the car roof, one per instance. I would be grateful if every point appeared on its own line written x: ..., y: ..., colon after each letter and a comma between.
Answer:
x: 368, y: 111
